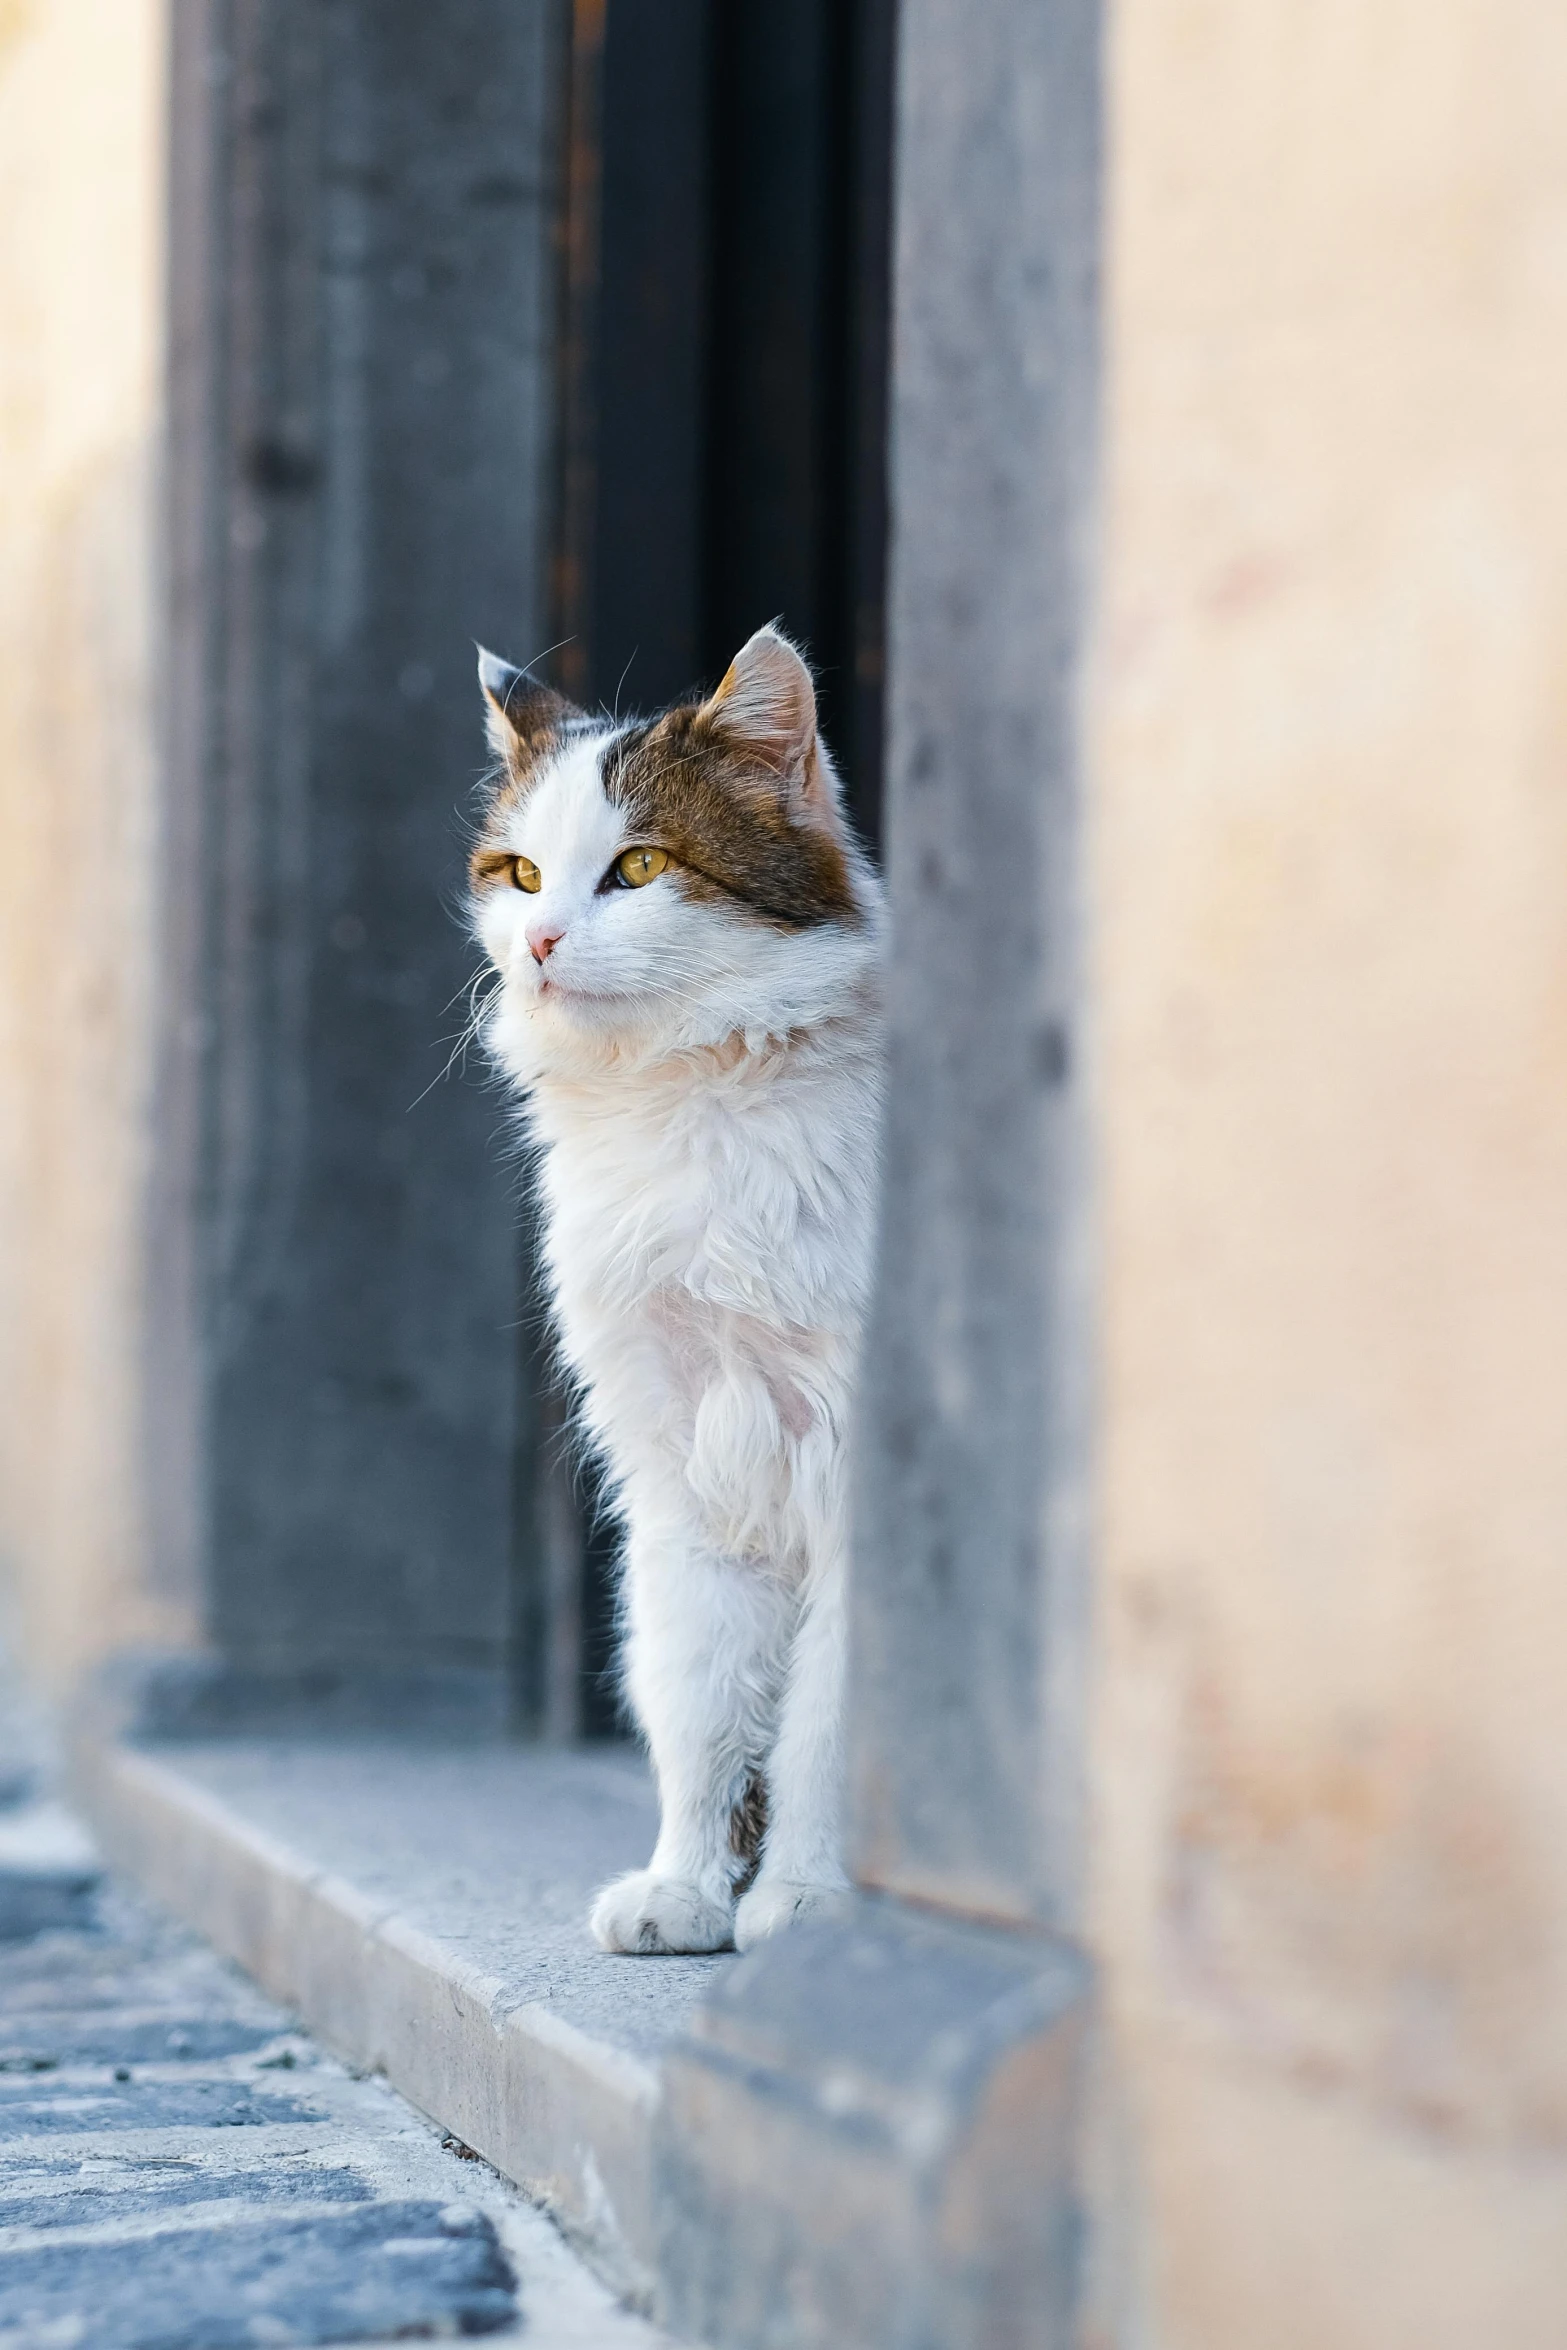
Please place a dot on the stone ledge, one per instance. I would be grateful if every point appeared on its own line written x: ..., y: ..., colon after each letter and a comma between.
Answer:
x: 869, y: 2135
x: 864, y: 2132
x: 423, y: 1911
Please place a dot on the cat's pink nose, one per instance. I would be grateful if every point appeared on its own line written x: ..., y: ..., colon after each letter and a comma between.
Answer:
x: 541, y: 940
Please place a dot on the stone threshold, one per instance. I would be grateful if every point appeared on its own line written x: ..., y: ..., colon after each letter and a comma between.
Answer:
x: 423, y: 1911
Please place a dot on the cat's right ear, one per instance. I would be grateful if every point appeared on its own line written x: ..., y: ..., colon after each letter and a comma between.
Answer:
x: 519, y: 712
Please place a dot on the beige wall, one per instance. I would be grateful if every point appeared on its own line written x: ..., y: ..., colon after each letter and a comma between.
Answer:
x: 1331, y: 1808
x: 81, y: 84
x: 1331, y: 783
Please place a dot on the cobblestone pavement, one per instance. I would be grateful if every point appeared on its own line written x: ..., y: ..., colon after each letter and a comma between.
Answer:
x: 180, y: 2169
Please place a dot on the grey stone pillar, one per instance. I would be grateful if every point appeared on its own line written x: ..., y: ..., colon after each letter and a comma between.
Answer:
x: 871, y: 2135
x: 362, y: 199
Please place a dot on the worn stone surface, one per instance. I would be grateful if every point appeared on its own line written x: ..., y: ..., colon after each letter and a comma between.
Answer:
x: 869, y: 2138
x: 338, y: 2276
x: 48, y: 1870
x: 425, y: 1911
x: 46, y: 2196
x: 494, y: 1852
x: 181, y: 2169
x: 50, y: 2037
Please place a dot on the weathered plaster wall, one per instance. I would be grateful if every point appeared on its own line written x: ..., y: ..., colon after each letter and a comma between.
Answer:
x: 1331, y: 744
x: 81, y: 90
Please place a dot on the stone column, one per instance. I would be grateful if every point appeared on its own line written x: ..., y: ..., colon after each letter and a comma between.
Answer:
x: 871, y: 2135
x: 362, y: 194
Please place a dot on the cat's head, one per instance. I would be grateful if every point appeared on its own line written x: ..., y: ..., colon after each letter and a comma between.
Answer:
x: 667, y: 882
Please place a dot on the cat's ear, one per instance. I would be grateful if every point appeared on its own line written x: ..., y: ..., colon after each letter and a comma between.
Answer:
x: 765, y: 710
x: 518, y: 710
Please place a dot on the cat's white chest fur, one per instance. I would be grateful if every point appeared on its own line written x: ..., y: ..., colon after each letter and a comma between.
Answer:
x: 709, y: 1234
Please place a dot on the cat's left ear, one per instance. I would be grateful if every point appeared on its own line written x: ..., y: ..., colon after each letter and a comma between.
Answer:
x: 518, y: 711
x: 765, y: 710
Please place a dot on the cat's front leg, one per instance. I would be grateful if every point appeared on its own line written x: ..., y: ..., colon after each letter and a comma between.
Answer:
x: 802, y: 1859
x: 705, y: 1638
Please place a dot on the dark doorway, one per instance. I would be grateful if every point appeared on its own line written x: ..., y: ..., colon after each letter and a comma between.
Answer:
x: 724, y: 394
x: 722, y: 448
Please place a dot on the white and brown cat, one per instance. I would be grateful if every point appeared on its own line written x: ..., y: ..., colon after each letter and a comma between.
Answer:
x: 689, y: 942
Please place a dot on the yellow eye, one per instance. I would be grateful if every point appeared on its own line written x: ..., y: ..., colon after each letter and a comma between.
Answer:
x: 640, y: 866
x: 524, y: 873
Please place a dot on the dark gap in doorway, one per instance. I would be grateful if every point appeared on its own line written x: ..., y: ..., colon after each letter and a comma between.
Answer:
x: 723, y: 396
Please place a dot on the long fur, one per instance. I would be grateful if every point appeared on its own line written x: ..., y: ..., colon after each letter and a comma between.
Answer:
x: 701, y: 1078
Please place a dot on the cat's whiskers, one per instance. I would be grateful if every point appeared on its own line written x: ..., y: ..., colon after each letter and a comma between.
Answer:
x: 470, y: 1031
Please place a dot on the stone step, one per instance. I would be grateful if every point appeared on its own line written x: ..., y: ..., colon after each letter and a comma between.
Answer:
x: 243, y: 2187
x: 424, y: 1911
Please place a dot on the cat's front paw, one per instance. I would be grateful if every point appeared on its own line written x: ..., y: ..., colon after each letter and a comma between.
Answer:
x: 775, y: 1902
x: 653, y: 1917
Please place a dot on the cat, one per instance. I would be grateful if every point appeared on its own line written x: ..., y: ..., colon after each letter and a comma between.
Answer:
x: 690, y: 943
